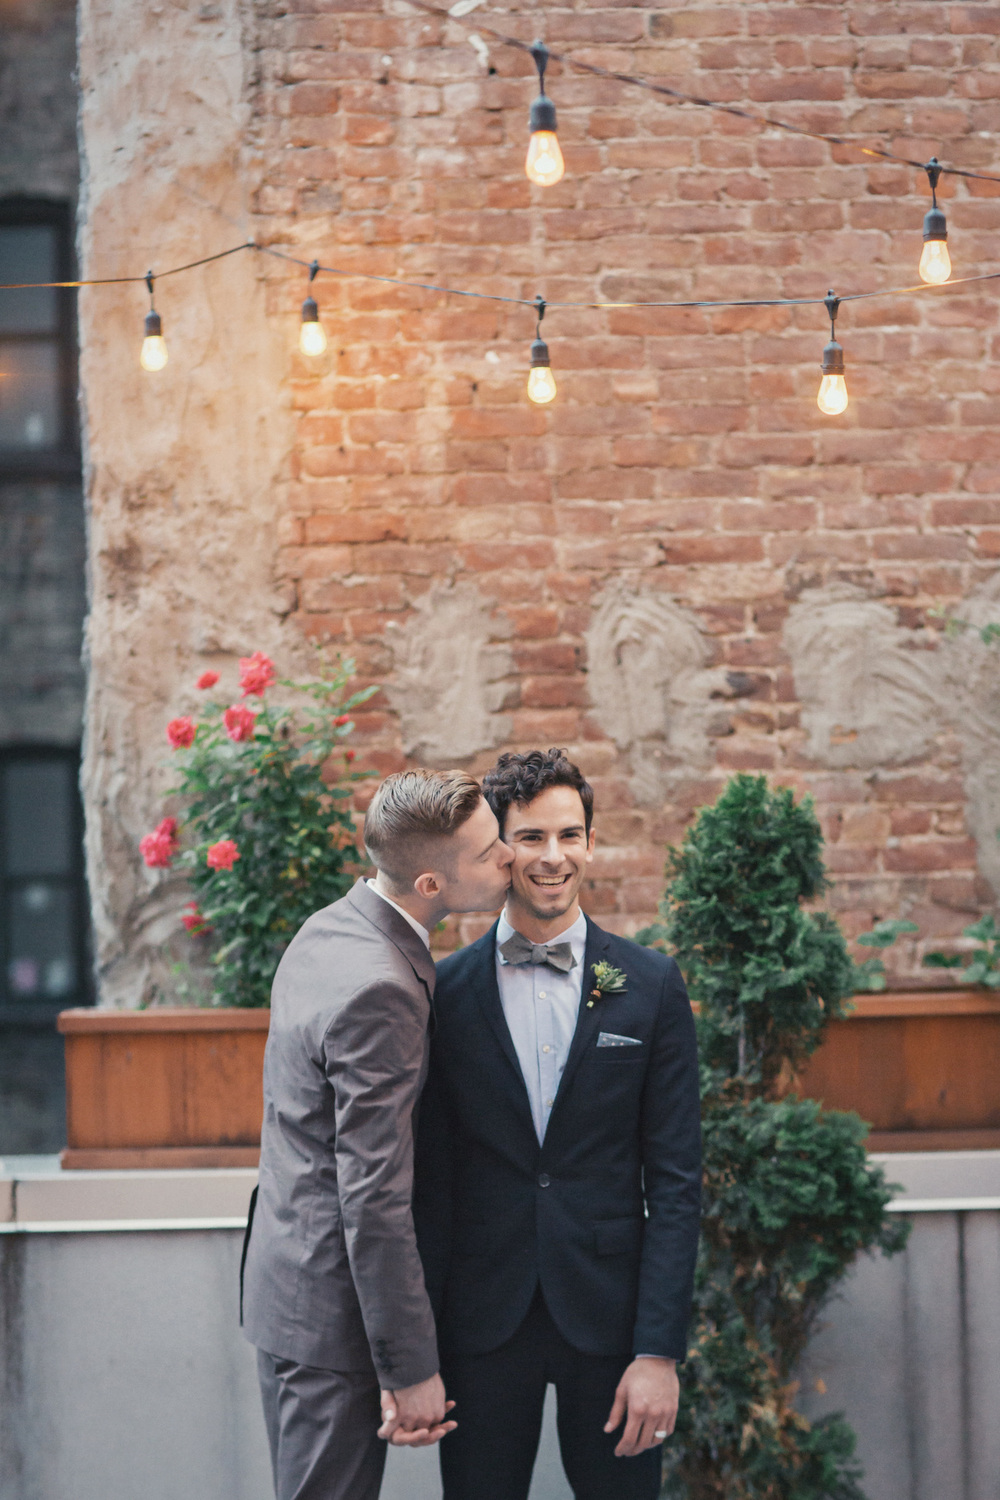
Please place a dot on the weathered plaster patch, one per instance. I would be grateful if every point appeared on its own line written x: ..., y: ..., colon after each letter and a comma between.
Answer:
x: 651, y: 688
x: 452, y: 676
x: 971, y: 691
x: 870, y: 695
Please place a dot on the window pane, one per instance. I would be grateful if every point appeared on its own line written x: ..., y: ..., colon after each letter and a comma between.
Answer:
x: 42, y: 964
x: 28, y: 253
x: 29, y: 395
x: 38, y: 818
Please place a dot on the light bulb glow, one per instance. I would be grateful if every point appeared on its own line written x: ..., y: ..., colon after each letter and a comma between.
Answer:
x: 541, y: 385
x: 935, y: 262
x: 832, y: 398
x: 153, y: 355
x: 544, y: 164
x: 312, y: 338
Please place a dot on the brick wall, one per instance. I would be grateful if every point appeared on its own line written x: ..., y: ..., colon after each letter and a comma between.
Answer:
x: 684, y: 453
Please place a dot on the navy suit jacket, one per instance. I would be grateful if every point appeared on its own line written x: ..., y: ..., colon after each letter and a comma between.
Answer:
x: 604, y: 1214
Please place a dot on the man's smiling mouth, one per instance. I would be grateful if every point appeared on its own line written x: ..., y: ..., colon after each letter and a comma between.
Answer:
x: 551, y: 881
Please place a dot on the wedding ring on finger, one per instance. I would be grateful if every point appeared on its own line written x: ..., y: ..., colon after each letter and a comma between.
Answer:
x: 659, y: 1436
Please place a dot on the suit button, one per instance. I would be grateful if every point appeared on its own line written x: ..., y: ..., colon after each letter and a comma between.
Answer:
x: 544, y: 1179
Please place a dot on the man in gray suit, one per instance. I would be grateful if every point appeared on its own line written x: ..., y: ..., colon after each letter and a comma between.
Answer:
x: 333, y: 1292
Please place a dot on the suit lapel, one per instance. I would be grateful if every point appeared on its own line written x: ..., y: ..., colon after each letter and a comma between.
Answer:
x: 396, y: 929
x: 484, y: 983
x: 588, y: 1021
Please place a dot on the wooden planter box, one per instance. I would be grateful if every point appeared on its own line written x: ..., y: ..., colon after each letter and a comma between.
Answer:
x: 163, y: 1088
x: 182, y: 1088
x: 922, y: 1068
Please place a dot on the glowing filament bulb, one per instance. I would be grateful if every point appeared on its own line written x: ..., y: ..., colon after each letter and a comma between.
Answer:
x: 153, y: 355
x: 544, y: 164
x: 832, y: 398
x: 312, y: 338
x: 935, y: 262
x: 541, y: 385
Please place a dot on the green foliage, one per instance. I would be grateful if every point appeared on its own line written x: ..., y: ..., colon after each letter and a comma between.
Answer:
x: 981, y: 967
x: 293, y: 833
x: 790, y: 1197
x: 767, y: 974
x: 870, y: 976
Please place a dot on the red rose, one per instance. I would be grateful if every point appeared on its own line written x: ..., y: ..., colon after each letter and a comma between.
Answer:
x: 349, y: 755
x: 159, y: 847
x: 223, y: 855
x: 341, y: 719
x: 256, y: 673
x: 194, y: 921
x: 180, y: 733
x: 239, y: 722
x: 207, y: 680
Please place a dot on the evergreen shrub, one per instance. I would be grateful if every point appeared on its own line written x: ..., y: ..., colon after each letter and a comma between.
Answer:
x: 790, y: 1198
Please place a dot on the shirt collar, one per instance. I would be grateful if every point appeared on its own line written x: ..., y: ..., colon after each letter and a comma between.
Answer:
x: 418, y: 929
x: 576, y: 936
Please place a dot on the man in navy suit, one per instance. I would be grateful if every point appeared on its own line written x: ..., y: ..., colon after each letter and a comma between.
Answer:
x: 558, y: 1170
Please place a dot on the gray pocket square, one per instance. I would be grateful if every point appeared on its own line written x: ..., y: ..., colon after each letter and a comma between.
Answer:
x: 609, y: 1039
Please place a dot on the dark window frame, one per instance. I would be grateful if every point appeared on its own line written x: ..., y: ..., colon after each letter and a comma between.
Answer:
x: 60, y: 461
x: 42, y: 1013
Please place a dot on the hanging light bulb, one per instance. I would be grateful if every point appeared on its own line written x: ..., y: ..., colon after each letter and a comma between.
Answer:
x: 935, y: 262
x: 541, y: 381
x: 544, y: 164
x: 153, y: 354
x: 312, y: 334
x: 832, y: 398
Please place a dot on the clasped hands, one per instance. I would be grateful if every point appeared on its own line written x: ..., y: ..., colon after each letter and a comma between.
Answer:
x: 646, y: 1401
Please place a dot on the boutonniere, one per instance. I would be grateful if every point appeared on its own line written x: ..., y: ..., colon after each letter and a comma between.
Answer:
x: 607, y: 981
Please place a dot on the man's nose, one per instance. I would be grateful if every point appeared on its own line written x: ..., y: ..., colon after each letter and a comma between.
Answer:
x: 506, y: 854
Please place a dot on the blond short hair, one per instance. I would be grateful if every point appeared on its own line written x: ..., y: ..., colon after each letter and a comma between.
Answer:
x: 410, y: 816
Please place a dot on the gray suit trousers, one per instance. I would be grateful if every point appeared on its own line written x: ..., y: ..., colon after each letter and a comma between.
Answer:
x: 321, y: 1427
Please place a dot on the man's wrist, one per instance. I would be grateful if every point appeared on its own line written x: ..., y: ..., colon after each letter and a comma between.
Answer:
x: 667, y: 1358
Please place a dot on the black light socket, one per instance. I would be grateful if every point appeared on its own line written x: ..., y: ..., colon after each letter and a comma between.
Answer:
x: 540, y: 355
x: 310, y: 311
x: 833, y: 359
x: 154, y: 328
x: 935, y: 225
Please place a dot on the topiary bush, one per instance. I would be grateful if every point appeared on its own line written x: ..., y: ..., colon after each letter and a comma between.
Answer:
x: 790, y: 1198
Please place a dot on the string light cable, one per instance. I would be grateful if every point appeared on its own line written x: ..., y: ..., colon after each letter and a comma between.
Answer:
x: 540, y: 376
x: 679, y: 96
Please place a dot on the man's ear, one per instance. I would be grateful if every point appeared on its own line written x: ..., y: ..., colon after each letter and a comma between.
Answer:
x: 591, y: 841
x: 428, y: 886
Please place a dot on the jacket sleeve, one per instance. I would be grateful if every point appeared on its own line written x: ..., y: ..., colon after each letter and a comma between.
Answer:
x: 373, y: 1055
x: 671, y: 1149
x: 433, y: 1209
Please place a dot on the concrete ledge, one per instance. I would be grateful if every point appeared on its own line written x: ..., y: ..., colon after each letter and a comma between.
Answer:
x: 38, y: 1197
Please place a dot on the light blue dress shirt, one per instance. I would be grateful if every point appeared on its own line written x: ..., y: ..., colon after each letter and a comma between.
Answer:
x: 541, y: 1007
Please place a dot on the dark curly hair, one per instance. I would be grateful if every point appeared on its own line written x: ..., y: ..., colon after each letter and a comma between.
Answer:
x: 519, y: 779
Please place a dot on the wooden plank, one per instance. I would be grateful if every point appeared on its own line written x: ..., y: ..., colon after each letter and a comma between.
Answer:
x: 934, y: 1140
x: 160, y: 1158
x: 928, y: 1003
x: 167, y: 1018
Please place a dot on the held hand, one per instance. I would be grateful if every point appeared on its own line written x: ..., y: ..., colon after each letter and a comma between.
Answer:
x: 417, y: 1411
x: 646, y: 1400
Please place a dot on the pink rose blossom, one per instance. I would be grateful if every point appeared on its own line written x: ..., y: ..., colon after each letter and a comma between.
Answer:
x: 341, y: 719
x: 207, y: 680
x: 223, y: 855
x: 256, y: 673
x: 194, y: 921
x: 159, y: 847
x: 349, y: 755
x: 180, y: 733
x: 239, y: 722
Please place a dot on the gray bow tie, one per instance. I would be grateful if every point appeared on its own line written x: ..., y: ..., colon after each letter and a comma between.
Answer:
x: 517, y: 950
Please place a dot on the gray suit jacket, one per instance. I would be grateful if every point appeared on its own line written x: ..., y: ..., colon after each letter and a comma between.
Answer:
x: 332, y: 1275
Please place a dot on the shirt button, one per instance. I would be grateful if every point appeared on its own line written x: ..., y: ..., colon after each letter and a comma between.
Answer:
x: 546, y: 1048
x: 544, y: 1179
x: 541, y: 995
x: 549, y: 1103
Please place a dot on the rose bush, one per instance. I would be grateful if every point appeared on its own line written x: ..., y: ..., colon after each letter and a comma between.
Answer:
x: 267, y: 835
